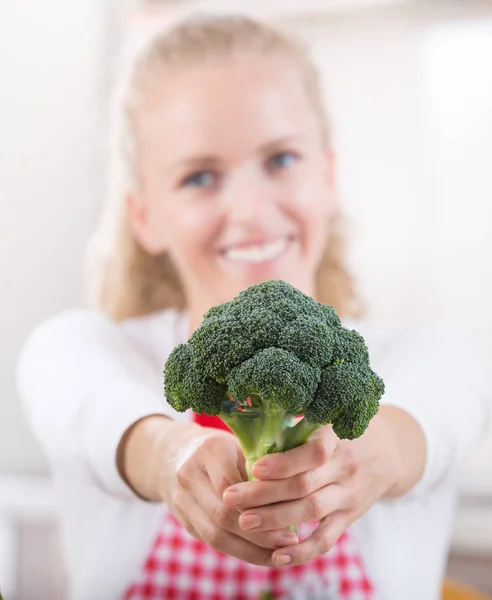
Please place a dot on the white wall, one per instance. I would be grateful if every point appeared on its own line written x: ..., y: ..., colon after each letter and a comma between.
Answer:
x: 52, y: 65
x: 411, y: 98
x: 410, y: 94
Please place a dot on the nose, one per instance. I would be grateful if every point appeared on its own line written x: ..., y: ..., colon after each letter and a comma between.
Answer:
x: 249, y: 196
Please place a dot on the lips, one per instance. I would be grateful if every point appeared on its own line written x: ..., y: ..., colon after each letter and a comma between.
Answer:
x: 257, y: 253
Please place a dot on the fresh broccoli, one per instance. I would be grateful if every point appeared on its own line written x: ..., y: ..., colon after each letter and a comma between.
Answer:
x: 267, y: 357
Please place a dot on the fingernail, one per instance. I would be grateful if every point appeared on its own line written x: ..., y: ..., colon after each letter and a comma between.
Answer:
x: 250, y: 521
x: 231, y: 499
x: 288, y: 538
x: 282, y: 559
x: 260, y: 471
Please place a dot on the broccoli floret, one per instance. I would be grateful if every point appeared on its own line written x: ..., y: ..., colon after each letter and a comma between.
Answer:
x: 268, y: 356
x: 347, y: 397
x: 188, y: 387
x: 224, y: 341
x: 349, y: 346
x: 310, y: 339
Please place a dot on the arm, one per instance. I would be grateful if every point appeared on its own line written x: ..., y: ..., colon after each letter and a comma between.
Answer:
x: 436, y: 377
x: 142, y: 452
x: 82, y: 385
x: 406, y: 438
x: 433, y: 412
x: 87, y: 396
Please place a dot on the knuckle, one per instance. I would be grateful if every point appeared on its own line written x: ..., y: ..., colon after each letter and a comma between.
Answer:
x: 351, y: 460
x: 178, y: 498
x: 213, y: 536
x: 305, y: 483
x: 208, y: 443
x: 183, y: 474
x: 320, y: 450
x: 352, y: 497
x: 191, y: 530
x: 224, y: 482
x: 264, y: 539
x: 223, y: 516
x: 315, y: 507
x: 270, y: 540
x: 273, y: 520
x: 326, y: 542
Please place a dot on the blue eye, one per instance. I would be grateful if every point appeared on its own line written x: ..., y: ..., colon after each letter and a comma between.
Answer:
x: 199, y: 179
x: 282, y: 160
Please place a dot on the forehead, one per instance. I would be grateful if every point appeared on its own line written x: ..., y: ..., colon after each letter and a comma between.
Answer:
x: 222, y: 104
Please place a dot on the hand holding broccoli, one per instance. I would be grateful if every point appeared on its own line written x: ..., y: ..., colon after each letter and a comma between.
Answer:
x: 297, y: 390
x: 199, y: 464
x: 267, y: 357
x: 326, y: 479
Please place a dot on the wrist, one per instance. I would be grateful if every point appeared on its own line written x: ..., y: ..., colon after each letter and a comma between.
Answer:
x: 151, y: 451
x: 380, y: 451
x: 405, y: 447
x: 135, y: 457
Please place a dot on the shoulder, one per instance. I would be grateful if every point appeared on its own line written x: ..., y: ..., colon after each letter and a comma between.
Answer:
x: 422, y: 338
x: 79, y: 332
x: 156, y: 334
x: 65, y: 327
x: 85, y: 322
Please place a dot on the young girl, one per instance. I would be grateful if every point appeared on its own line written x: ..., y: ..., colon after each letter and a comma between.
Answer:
x: 224, y: 177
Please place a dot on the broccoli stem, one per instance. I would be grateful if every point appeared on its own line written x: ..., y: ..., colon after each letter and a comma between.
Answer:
x: 298, y: 434
x: 259, y: 435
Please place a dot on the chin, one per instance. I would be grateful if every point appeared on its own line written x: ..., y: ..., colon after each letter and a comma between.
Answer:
x: 296, y: 279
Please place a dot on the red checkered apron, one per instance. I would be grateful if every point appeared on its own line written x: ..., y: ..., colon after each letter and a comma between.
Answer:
x: 181, y: 567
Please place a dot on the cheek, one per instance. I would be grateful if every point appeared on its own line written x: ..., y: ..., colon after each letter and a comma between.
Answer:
x: 189, y: 230
x: 312, y: 203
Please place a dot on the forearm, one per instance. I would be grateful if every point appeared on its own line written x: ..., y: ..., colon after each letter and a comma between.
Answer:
x: 406, y: 438
x: 147, y: 450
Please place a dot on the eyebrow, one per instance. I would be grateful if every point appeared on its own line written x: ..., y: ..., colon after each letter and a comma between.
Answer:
x: 281, y: 141
x: 191, y: 161
x: 210, y: 159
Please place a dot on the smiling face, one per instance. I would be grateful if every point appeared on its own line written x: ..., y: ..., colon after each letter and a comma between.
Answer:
x: 234, y: 178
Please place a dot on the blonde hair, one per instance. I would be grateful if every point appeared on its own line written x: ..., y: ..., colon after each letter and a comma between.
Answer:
x: 126, y: 281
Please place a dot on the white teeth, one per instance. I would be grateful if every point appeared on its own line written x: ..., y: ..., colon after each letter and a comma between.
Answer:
x: 257, y: 253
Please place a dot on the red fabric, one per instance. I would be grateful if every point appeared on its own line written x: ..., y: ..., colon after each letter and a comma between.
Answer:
x: 210, y: 421
x: 183, y: 568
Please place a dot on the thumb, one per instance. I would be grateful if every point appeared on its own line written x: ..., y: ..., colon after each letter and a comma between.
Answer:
x: 222, y: 459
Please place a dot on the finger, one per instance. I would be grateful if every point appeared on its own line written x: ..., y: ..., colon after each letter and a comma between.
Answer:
x: 220, y: 460
x: 283, y: 514
x: 252, y: 494
x: 227, y: 518
x: 311, y: 455
x: 185, y: 523
x: 318, y: 543
x: 224, y: 541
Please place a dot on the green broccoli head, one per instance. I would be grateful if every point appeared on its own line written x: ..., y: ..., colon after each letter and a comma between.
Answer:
x: 269, y: 315
x: 277, y: 353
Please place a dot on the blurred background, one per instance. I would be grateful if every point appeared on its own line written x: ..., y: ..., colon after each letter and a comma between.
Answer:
x: 409, y: 87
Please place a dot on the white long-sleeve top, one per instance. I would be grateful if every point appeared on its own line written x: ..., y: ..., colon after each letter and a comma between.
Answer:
x: 84, y: 380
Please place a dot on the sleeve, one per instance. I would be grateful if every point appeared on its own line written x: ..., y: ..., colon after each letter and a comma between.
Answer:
x: 81, y: 385
x: 436, y: 375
